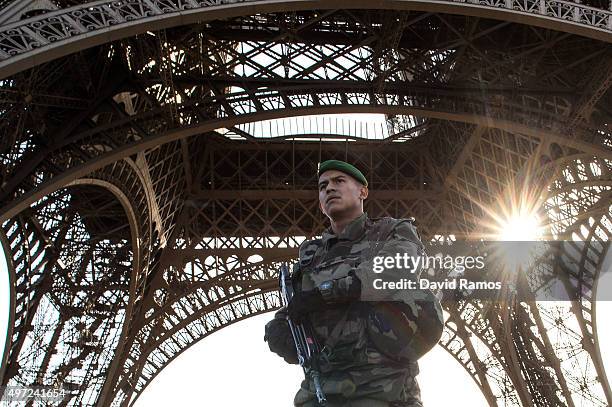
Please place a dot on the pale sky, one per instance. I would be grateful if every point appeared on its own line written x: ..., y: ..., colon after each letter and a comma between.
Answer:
x: 234, y: 367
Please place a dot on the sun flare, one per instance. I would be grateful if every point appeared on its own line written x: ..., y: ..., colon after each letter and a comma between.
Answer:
x: 517, y: 216
x: 520, y: 227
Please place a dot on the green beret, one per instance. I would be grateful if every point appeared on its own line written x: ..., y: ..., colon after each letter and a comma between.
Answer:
x: 342, y: 167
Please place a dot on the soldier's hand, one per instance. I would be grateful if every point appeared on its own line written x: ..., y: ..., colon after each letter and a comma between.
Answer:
x: 280, y: 341
x: 304, y: 302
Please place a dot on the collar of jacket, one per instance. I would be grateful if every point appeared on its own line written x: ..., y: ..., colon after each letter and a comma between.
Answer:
x: 352, y: 231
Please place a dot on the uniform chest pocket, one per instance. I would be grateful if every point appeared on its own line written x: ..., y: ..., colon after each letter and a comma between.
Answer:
x: 336, y: 268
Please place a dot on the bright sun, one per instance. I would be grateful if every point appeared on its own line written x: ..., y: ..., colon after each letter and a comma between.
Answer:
x: 517, y: 228
x: 516, y: 217
x: 520, y: 227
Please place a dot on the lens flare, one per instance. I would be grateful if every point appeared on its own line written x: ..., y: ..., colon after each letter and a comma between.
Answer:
x: 517, y: 221
x: 517, y: 216
x: 520, y: 227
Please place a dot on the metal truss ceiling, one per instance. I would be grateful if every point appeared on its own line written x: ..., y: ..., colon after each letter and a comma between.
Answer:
x: 143, y: 210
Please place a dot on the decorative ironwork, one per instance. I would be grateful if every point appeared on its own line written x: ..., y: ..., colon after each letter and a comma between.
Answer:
x: 54, y: 28
x: 145, y: 205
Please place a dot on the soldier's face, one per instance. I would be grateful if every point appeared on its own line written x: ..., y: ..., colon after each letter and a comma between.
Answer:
x: 340, y: 194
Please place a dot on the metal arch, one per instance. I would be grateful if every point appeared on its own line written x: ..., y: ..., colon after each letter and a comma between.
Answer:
x: 586, y: 315
x: 136, y: 262
x: 107, y: 158
x: 543, y: 177
x: 118, y: 174
x: 168, y: 336
x: 456, y: 345
x: 589, y: 208
x: 232, y: 178
x: 597, y: 210
x: 142, y: 381
x: 124, y: 201
x: 460, y: 335
x: 10, y: 269
x: 42, y: 38
x: 597, y: 347
x: 474, y: 376
x: 185, y: 322
x: 134, y: 125
x: 131, y: 178
x: 140, y: 253
x: 485, y: 343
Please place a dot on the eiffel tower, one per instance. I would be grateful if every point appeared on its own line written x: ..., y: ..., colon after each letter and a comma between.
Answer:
x: 157, y: 162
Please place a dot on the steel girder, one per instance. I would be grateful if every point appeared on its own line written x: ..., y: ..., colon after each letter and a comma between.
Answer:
x: 210, y: 218
x: 56, y: 33
x: 129, y: 114
x: 76, y: 264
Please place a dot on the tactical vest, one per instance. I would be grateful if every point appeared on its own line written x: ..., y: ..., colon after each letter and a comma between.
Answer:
x: 394, y: 328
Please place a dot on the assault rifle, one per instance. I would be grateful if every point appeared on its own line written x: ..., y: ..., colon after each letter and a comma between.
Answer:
x: 306, y: 345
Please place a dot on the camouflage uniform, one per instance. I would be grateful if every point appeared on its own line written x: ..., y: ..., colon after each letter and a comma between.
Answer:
x: 371, y: 348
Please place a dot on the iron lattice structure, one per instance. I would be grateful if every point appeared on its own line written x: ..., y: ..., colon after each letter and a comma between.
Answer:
x: 156, y: 168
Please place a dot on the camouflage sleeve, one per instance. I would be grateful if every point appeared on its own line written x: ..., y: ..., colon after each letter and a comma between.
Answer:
x: 400, y: 335
x: 390, y: 266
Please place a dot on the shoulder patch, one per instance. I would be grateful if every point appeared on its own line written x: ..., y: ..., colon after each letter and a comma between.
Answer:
x: 307, y: 251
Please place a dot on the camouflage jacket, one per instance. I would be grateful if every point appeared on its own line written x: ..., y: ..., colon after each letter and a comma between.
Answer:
x: 368, y: 358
